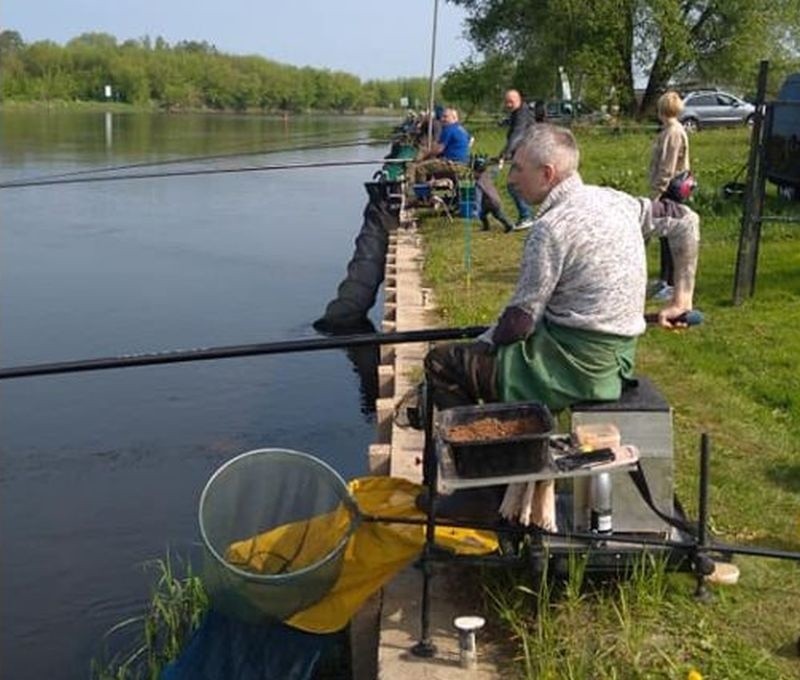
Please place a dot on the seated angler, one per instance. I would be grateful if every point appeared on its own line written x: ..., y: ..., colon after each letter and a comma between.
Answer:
x: 448, y: 155
x: 569, y: 332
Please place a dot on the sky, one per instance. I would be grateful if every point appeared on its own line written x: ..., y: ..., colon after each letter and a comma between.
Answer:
x: 368, y: 38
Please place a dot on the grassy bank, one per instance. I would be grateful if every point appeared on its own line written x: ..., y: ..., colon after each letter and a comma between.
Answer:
x: 737, y: 377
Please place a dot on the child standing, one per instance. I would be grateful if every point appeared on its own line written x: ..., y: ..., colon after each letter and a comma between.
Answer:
x: 487, y: 197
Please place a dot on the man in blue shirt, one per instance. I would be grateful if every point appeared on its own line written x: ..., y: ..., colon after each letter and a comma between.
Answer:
x: 448, y: 152
x: 454, y: 140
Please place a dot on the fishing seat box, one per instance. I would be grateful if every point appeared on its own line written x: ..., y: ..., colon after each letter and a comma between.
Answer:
x: 644, y: 419
x: 504, y: 439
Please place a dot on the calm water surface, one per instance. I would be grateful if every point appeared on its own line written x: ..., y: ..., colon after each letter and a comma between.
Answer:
x: 101, y: 472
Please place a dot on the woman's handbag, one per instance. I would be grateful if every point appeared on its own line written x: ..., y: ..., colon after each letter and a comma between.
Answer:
x: 681, y: 187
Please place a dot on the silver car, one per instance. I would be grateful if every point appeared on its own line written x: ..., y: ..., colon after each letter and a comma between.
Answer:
x: 704, y: 108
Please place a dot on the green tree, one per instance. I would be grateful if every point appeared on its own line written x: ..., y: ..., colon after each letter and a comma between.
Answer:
x: 192, y: 73
x: 10, y: 43
x: 49, y: 72
x: 605, y: 43
x: 477, y: 86
x: 13, y: 82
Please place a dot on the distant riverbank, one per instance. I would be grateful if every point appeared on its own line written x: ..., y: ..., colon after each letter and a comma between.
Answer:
x: 122, y: 107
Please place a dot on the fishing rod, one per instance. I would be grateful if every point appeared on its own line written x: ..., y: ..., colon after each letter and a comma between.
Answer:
x: 197, y: 159
x: 225, y: 352
x: 193, y: 173
x: 690, y: 318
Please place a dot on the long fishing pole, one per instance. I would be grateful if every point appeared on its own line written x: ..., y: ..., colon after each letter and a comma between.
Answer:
x: 210, y: 353
x: 198, y: 159
x: 193, y: 173
x: 282, y: 347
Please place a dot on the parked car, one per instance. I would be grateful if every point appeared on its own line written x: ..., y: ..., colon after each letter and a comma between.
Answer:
x: 783, y: 139
x: 703, y: 108
x: 567, y: 110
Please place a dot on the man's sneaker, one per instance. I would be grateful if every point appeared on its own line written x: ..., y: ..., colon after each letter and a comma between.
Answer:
x: 527, y: 223
x: 661, y: 292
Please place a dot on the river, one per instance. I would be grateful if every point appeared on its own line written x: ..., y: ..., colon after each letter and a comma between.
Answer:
x: 101, y: 472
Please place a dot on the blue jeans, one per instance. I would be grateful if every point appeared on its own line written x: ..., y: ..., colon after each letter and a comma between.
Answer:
x: 523, y: 208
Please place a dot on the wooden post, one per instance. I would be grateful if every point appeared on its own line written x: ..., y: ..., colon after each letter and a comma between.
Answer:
x: 750, y: 234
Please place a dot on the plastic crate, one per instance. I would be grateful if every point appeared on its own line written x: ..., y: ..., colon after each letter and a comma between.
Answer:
x: 497, y: 439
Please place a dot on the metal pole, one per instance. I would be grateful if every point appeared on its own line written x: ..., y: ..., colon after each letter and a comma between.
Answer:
x: 431, y: 93
x: 760, y: 184
x: 744, y: 277
x: 589, y: 538
x: 425, y: 647
x: 701, y: 566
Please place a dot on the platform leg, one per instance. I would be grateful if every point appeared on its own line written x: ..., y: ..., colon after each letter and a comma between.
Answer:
x: 425, y: 647
x: 701, y: 560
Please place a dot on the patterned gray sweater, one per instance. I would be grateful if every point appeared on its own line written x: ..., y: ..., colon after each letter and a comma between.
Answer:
x: 584, y: 262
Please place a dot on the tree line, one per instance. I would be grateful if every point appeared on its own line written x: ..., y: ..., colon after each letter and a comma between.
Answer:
x: 606, y: 47
x: 602, y: 47
x: 189, y: 74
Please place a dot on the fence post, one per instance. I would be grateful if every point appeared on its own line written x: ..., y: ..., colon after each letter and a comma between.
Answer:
x: 750, y: 234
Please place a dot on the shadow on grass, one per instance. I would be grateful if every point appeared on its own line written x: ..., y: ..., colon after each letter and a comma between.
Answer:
x: 784, y: 277
x: 786, y: 476
x: 790, y: 650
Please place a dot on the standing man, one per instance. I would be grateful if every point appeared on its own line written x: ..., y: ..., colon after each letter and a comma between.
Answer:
x: 520, y: 119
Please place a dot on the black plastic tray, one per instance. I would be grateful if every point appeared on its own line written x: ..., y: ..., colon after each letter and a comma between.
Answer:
x: 517, y: 454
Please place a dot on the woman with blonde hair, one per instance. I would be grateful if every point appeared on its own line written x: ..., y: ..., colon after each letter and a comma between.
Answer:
x: 670, y: 156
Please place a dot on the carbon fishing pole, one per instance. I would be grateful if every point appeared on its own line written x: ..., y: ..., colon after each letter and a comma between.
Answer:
x: 197, y: 159
x: 194, y: 173
x: 281, y: 347
x: 211, y: 353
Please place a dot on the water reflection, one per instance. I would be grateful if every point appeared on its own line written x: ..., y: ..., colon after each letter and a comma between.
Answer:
x: 101, y: 472
x: 365, y: 360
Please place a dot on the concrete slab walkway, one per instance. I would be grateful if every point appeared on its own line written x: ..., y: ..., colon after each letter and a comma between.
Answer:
x: 409, y: 306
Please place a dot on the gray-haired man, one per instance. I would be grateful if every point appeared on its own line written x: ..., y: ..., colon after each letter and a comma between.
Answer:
x: 569, y: 332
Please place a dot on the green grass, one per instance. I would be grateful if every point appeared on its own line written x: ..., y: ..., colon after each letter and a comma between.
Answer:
x: 736, y: 377
x: 643, y: 626
x: 157, y: 637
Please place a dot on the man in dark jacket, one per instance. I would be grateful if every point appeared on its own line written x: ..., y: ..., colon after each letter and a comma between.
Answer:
x: 520, y: 119
x: 487, y: 198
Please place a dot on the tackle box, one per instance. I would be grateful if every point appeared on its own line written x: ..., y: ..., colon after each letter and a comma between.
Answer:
x: 493, y: 440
